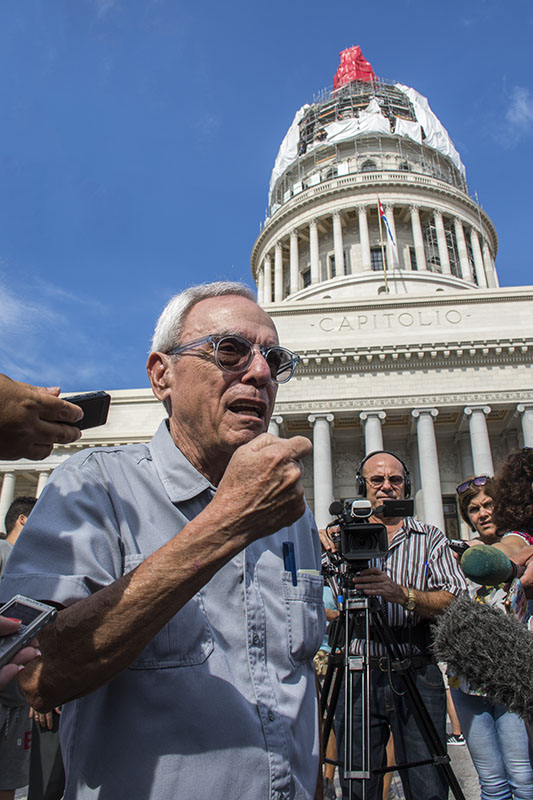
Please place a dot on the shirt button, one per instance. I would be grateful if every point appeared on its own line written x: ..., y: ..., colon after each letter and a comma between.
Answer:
x: 256, y: 639
x: 272, y: 717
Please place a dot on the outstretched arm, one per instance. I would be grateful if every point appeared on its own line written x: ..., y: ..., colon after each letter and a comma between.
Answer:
x: 95, y: 639
x: 33, y: 419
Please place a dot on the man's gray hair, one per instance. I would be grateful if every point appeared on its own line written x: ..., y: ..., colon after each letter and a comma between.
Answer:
x: 171, y: 321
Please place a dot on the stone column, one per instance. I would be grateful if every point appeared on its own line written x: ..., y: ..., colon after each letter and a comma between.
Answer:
x: 372, y: 421
x: 294, y: 263
x: 278, y: 273
x: 441, y: 242
x: 418, y: 239
x: 267, y: 284
x: 429, y: 466
x: 414, y: 466
x: 322, y: 467
x: 465, y: 454
x: 260, y: 285
x: 526, y: 413
x: 338, y: 245
x: 461, y: 247
x: 7, y: 495
x: 393, y: 256
x: 479, y: 439
x: 364, y: 239
x: 489, y: 267
x: 313, y: 251
x: 478, y: 259
x: 41, y: 482
x: 274, y: 425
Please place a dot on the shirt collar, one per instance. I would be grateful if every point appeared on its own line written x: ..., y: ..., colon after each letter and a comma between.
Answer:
x: 181, y: 480
x: 410, y: 525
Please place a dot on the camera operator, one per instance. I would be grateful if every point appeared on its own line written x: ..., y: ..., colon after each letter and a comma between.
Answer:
x: 416, y: 580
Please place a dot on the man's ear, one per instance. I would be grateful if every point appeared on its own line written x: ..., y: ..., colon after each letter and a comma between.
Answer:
x: 21, y: 519
x: 157, y: 367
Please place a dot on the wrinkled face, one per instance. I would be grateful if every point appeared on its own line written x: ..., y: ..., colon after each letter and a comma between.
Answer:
x: 479, y: 511
x: 378, y: 473
x: 213, y: 412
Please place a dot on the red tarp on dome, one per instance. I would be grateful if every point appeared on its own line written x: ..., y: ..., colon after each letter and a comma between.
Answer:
x: 353, y: 67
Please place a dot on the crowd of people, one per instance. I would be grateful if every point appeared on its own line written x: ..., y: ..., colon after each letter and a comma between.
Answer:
x: 186, y: 572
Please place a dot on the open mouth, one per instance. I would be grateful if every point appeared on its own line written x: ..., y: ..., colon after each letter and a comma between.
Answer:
x: 247, y: 409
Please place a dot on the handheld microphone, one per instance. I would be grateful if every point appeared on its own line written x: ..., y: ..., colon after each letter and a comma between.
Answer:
x: 492, y: 650
x: 487, y: 565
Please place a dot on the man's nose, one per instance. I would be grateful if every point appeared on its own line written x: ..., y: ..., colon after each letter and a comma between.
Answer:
x: 258, y: 369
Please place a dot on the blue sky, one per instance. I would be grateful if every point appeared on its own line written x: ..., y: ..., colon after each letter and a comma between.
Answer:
x: 137, y: 139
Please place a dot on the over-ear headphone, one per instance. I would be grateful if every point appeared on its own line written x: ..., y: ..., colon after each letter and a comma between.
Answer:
x: 360, y: 483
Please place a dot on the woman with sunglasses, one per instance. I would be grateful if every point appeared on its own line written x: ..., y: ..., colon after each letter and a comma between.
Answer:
x: 496, y: 738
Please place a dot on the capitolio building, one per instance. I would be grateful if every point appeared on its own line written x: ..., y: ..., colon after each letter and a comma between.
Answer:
x: 378, y: 268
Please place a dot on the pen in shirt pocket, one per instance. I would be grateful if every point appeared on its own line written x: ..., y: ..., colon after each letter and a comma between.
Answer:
x: 289, y: 561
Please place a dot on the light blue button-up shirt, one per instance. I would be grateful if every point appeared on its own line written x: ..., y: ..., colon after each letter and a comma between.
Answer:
x: 222, y: 702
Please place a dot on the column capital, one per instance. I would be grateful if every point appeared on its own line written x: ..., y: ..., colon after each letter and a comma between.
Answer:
x: 523, y: 407
x: 312, y: 418
x: 437, y: 213
x: 364, y: 415
x: 336, y: 214
x: 361, y: 207
x: 294, y: 233
x: 418, y: 412
x: 413, y: 207
x: 469, y: 410
x: 277, y: 419
x: 313, y: 221
x: 278, y: 245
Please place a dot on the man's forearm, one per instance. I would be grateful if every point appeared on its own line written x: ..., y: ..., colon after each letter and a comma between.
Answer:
x: 95, y: 639
x: 431, y: 604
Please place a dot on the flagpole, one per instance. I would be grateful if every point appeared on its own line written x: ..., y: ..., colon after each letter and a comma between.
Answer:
x: 382, y: 250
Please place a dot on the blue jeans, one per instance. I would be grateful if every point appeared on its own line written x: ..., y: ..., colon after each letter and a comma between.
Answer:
x: 499, y: 747
x: 388, y: 708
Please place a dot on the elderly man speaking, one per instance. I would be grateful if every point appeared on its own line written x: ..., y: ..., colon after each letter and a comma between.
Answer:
x: 187, y: 573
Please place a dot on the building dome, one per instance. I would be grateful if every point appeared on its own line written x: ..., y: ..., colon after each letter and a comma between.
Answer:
x: 368, y: 195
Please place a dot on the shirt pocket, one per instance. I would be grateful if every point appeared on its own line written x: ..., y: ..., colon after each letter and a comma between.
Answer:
x: 186, y: 640
x: 306, y: 619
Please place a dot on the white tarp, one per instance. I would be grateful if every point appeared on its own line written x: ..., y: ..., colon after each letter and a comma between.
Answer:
x: 436, y: 134
x: 370, y: 120
x: 288, y: 151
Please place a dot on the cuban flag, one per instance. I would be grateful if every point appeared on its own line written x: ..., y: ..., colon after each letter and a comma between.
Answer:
x: 385, y: 220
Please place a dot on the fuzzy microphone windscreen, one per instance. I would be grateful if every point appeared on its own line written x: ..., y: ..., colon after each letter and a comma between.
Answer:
x: 491, y: 649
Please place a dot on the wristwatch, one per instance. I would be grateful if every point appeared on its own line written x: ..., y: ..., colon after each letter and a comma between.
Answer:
x: 410, y: 603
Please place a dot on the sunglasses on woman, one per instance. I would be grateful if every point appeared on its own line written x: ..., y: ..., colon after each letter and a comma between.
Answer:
x: 479, y: 481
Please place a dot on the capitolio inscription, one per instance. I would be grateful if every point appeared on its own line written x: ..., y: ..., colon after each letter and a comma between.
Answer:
x: 388, y: 320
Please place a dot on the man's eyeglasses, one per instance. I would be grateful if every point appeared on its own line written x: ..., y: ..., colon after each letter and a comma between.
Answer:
x: 378, y: 480
x: 481, y: 480
x: 235, y: 354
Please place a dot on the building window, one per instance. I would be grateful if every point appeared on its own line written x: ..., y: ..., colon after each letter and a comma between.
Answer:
x: 453, y: 254
x: 376, y: 259
x: 431, y: 247
x: 471, y: 261
x: 412, y: 258
x: 451, y: 517
x: 368, y: 166
x: 331, y: 266
x: 306, y: 278
x: 404, y: 166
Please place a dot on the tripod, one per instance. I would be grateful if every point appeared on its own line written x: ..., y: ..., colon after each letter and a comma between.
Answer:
x: 372, y: 613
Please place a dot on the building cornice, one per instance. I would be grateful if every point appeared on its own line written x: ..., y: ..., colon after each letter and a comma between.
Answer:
x: 402, y: 402
x: 498, y: 295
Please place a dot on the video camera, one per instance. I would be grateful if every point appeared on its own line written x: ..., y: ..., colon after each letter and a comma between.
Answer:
x: 359, y: 541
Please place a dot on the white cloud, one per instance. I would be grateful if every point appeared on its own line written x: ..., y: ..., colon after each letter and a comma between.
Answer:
x: 45, y: 334
x: 515, y: 122
x: 520, y: 110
